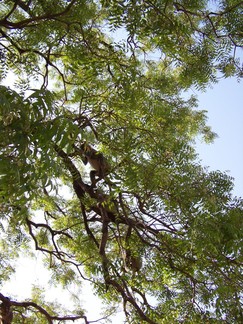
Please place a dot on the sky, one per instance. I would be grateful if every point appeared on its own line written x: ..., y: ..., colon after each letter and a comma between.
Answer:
x: 224, y: 103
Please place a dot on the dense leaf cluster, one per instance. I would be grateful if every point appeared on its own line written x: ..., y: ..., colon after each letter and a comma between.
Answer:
x: 159, y: 233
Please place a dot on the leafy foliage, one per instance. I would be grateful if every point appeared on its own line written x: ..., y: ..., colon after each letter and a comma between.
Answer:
x: 77, y: 88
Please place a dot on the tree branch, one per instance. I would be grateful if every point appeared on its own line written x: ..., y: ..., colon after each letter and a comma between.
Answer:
x: 50, y: 318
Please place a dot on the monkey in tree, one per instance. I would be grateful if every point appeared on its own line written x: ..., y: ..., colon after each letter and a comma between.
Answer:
x: 97, y: 162
x: 132, y: 261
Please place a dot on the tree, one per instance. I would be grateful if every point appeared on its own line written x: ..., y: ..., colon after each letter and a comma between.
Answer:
x: 148, y: 227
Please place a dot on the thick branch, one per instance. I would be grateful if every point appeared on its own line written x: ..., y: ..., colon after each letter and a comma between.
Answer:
x: 50, y: 318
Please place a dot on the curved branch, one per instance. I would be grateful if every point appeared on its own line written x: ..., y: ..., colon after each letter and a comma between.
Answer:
x: 30, y: 21
x: 50, y: 318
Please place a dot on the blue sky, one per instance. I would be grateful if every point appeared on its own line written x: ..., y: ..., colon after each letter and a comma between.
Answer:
x: 225, y: 115
x: 224, y: 103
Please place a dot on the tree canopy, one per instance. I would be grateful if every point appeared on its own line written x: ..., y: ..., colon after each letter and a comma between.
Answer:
x: 102, y: 86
